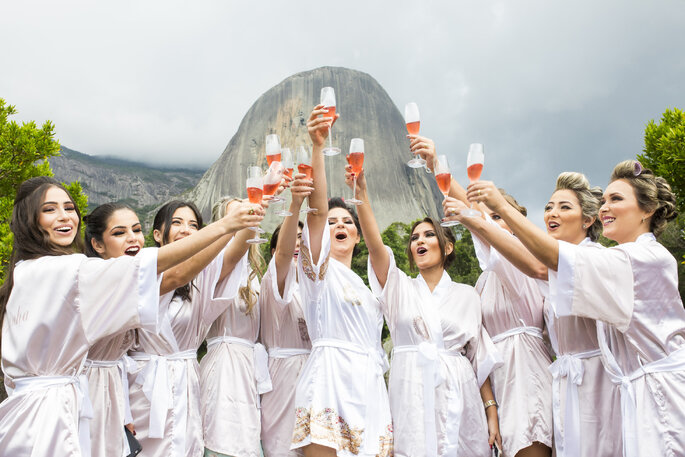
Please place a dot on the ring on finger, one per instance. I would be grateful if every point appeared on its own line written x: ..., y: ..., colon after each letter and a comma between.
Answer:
x: 251, y: 212
x: 479, y: 193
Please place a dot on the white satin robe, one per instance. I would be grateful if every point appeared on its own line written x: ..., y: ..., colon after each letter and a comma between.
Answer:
x: 633, y: 288
x: 109, y: 394
x: 513, y: 314
x: 599, y: 411
x: 229, y: 378
x: 59, y: 307
x: 284, y: 333
x: 181, y: 333
x: 341, y: 400
x: 445, y: 328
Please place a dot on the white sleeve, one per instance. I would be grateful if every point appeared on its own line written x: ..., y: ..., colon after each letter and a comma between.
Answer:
x: 119, y: 294
x: 389, y: 295
x: 593, y: 282
x: 312, y: 275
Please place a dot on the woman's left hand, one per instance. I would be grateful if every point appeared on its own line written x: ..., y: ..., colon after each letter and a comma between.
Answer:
x: 452, y: 208
x: 349, y: 179
x: 493, y: 430
x: 424, y: 147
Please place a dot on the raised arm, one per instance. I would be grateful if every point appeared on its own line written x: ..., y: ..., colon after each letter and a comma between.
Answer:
x: 300, y: 189
x: 541, y: 245
x: 215, y: 235
x: 510, y: 247
x: 372, y: 236
x: 318, y: 131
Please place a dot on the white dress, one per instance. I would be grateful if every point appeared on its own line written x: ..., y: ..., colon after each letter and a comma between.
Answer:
x: 165, y: 386
x: 59, y: 307
x: 441, y: 357
x: 232, y: 375
x: 341, y: 400
x: 587, y: 417
x: 284, y: 332
x: 633, y: 290
x: 513, y: 315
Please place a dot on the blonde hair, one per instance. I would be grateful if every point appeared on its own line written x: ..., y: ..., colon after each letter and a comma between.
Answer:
x: 512, y: 201
x: 254, y: 256
x: 588, y: 197
x: 652, y: 193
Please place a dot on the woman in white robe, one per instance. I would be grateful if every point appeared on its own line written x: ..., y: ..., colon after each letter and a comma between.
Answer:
x: 234, y: 372
x: 49, y: 325
x: 112, y: 230
x: 632, y: 289
x: 341, y: 403
x: 584, y: 402
x: 284, y: 332
x: 164, y: 388
x: 442, y: 355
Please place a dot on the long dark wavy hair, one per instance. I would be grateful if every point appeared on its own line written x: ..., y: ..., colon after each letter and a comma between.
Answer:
x: 31, y: 241
x: 162, y: 223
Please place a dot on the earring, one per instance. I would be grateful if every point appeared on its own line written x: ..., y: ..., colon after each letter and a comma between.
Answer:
x: 584, y: 226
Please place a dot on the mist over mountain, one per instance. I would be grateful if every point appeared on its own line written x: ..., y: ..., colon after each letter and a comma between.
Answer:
x: 397, y: 192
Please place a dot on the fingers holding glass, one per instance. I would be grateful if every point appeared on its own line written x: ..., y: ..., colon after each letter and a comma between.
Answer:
x: 474, y: 168
x: 443, y: 176
x: 413, y: 121
x: 328, y: 102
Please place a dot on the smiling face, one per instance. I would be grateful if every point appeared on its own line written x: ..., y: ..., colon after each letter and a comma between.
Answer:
x: 344, y: 234
x: 183, y: 223
x: 123, y: 235
x: 425, y: 249
x: 564, y: 217
x: 622, y: 218
x: 58, y: 217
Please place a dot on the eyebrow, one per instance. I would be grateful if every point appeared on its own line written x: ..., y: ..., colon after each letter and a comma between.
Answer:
x: 562, y: 201
x: 181, y: 219
x: 66, y: 202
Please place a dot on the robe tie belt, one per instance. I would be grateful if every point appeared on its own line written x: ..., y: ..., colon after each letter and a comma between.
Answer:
x: 532, y: 331
x: 673, y: 362
x: 159, y: 390
x: 568, y: 366
x: 80, y: 382
x: 124, y: 364
x: 260, y: 357
x: 376, y: 365
x: 285, y: 353
x: 432, y: 377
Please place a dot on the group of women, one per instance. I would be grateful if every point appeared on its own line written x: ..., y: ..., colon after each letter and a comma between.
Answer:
x: 562, y: 344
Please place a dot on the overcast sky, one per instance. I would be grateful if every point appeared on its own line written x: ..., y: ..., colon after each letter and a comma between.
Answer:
x: 547, y: 86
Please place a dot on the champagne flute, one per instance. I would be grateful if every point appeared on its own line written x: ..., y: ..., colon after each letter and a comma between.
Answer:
x: 273, y: 149
x: 444, y: 178
x: 411, y: 117
x: 474, y: 167
x: 304, y: 165
x: 328, y: 102
x: 272, y: 181
x: 288, y: 164
x: 254, y: 194
x: 356, y: 159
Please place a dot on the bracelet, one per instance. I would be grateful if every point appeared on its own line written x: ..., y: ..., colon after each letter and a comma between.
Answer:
x: 489, y: 403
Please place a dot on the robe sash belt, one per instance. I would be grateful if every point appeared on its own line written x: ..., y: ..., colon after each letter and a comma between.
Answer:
x: 532, y: 331
x: 673, y: 362
x: 285, y: 353
x: 260, y: 356
x: 568, y: 366
x: 80, y: 382
x: 160, y: 390
x: 432, y: 376
x: 124, y: 364
x: 376, y: 365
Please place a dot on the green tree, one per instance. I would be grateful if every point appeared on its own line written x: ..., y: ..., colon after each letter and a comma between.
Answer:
x: 664, y: 153
x: 24, y: 153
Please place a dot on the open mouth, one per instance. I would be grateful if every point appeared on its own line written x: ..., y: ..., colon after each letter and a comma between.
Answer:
x: 64, y: 229
x: 340, y: 236
x: 607, y: 220
x: 296, y: 253
x: 421, y: 250
x: 553, y: 225
x: 133, y: 250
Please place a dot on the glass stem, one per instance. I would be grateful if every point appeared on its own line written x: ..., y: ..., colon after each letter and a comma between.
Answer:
x: 354, y: 187
x: 330, y: 140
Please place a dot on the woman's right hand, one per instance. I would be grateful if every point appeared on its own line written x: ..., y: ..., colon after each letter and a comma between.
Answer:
x: 361, y: 180
x: 452, y: 208
x: 300, y: 188
x: 319, y: 126
x: 425, y: 148
x: 244, y: 214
